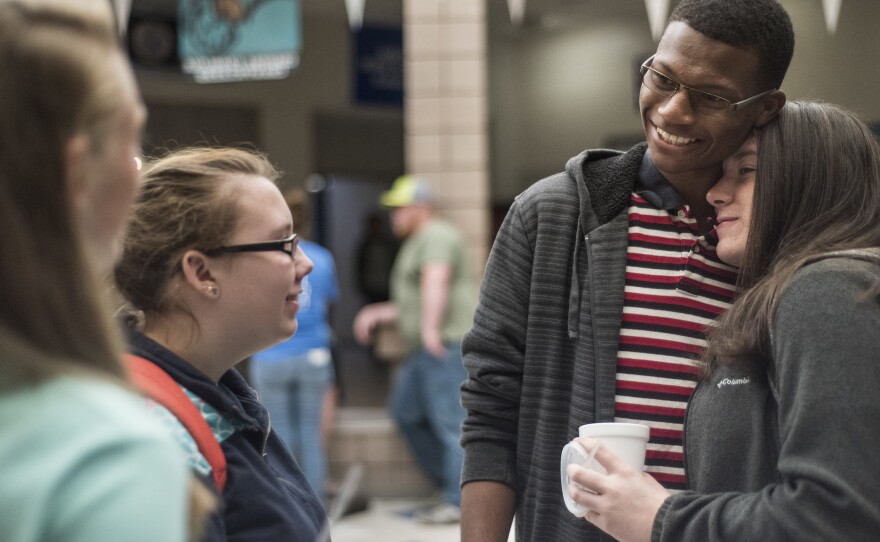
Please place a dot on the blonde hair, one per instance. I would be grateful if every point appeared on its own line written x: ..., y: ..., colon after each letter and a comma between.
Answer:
x: 183, y: 205
x: 55, y: 84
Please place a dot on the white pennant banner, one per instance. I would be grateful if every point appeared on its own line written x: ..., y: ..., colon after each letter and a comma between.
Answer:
x: 517, y: 9
x: 355, y: 10
x: 658, y: 10
x: 122, y: 10
x: 832, y: 13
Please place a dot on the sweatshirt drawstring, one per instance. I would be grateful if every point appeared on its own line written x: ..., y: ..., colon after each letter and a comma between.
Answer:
x: 574, y: 293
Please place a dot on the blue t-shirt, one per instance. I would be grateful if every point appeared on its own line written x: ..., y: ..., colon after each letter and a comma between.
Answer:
x: 320, y: 290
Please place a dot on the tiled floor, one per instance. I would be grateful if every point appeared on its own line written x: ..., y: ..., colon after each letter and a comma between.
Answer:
x: 387, y: 521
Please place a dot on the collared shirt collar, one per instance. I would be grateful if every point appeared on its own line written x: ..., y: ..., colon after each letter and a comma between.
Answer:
x: 654, y: 188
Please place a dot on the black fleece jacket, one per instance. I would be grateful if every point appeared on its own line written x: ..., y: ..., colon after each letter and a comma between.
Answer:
x: 267, y: 498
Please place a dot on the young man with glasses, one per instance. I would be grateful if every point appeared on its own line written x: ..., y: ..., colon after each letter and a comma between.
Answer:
x: 603, y: 278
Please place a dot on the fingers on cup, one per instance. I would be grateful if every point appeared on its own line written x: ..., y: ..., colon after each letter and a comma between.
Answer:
x: 585, y: 479
x: 579, y: 489
x: 573, y: 458
x: 602, y: 458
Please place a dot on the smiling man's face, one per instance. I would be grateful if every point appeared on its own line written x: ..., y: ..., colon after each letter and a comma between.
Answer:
x: 683, y: 143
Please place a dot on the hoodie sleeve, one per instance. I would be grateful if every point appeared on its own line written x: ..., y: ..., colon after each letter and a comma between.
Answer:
x: 494, y: 351
x: 825, y: 349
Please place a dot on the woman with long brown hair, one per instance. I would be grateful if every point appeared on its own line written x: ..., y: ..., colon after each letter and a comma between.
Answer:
x: 781, y: 435
x: 80, y: 458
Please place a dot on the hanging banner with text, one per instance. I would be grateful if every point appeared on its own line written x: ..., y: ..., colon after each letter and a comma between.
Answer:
x: 379, y: 66
x: 238, y: 40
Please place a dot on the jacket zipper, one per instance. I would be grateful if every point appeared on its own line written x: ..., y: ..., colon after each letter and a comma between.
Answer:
x: 596, y: 384
x: 266, y: 436
x: 684, y: 458
x: 266, y: 433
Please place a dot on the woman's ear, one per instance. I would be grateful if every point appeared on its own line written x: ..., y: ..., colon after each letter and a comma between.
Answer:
x: 772, y: 104
x: 197, y: 268
x: 76, y: 178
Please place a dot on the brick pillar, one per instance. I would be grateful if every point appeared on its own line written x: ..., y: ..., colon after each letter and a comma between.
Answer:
x: 446, y: 103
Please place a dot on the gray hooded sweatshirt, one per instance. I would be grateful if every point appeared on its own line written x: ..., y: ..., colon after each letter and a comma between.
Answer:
x: 542, y: 354
x: 788, y: 453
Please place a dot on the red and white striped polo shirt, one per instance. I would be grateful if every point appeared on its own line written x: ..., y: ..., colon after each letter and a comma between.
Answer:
x: 675, y: 287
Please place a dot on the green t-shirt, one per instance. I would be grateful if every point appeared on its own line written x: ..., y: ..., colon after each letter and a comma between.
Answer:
x: 437, y: 241
x: 82, y: 461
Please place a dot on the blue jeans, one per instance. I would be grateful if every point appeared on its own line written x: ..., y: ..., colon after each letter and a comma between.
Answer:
x: 292, y: 390
x: 426, y: 403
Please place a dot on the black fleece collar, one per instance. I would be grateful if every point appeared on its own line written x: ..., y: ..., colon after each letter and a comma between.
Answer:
x: 610, y: 178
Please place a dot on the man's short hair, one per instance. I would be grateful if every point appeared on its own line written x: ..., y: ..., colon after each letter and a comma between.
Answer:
x: 762, y: 26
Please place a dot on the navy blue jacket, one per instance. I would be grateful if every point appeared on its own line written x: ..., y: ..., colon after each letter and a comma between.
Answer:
x: 267, y: 498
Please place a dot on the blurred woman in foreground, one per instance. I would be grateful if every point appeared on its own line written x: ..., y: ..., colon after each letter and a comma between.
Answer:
x: 81, y: 458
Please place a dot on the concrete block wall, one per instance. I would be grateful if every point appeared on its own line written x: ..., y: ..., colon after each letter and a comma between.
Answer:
x: 446, y: 140
x: 446, y: 134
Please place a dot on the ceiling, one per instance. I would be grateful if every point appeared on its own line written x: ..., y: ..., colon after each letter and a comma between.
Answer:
x: 538, y: 12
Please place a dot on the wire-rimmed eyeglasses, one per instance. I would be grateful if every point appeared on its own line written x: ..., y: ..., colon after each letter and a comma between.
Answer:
x: 702, y: 102
x: 288, y: 245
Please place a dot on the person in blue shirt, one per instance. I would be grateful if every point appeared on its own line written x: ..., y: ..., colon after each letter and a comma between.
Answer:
x: 296, y: 379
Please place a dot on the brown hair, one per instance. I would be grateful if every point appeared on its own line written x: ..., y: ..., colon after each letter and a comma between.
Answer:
x: 817, y: 190
x: 183, y: 205
x: 57, y: 83
x: 298, y: 202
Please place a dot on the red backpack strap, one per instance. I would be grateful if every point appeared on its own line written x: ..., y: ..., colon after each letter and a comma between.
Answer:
x: 160, y: 387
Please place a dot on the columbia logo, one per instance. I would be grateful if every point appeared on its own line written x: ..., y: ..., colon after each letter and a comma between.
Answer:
x: 733, y: 382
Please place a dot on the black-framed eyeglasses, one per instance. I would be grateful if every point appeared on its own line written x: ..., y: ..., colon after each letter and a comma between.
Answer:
x: 702, y: 102
x: 288, y: 245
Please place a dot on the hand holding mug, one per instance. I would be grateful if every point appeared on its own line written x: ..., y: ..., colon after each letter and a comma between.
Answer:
x: 622, y: 500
